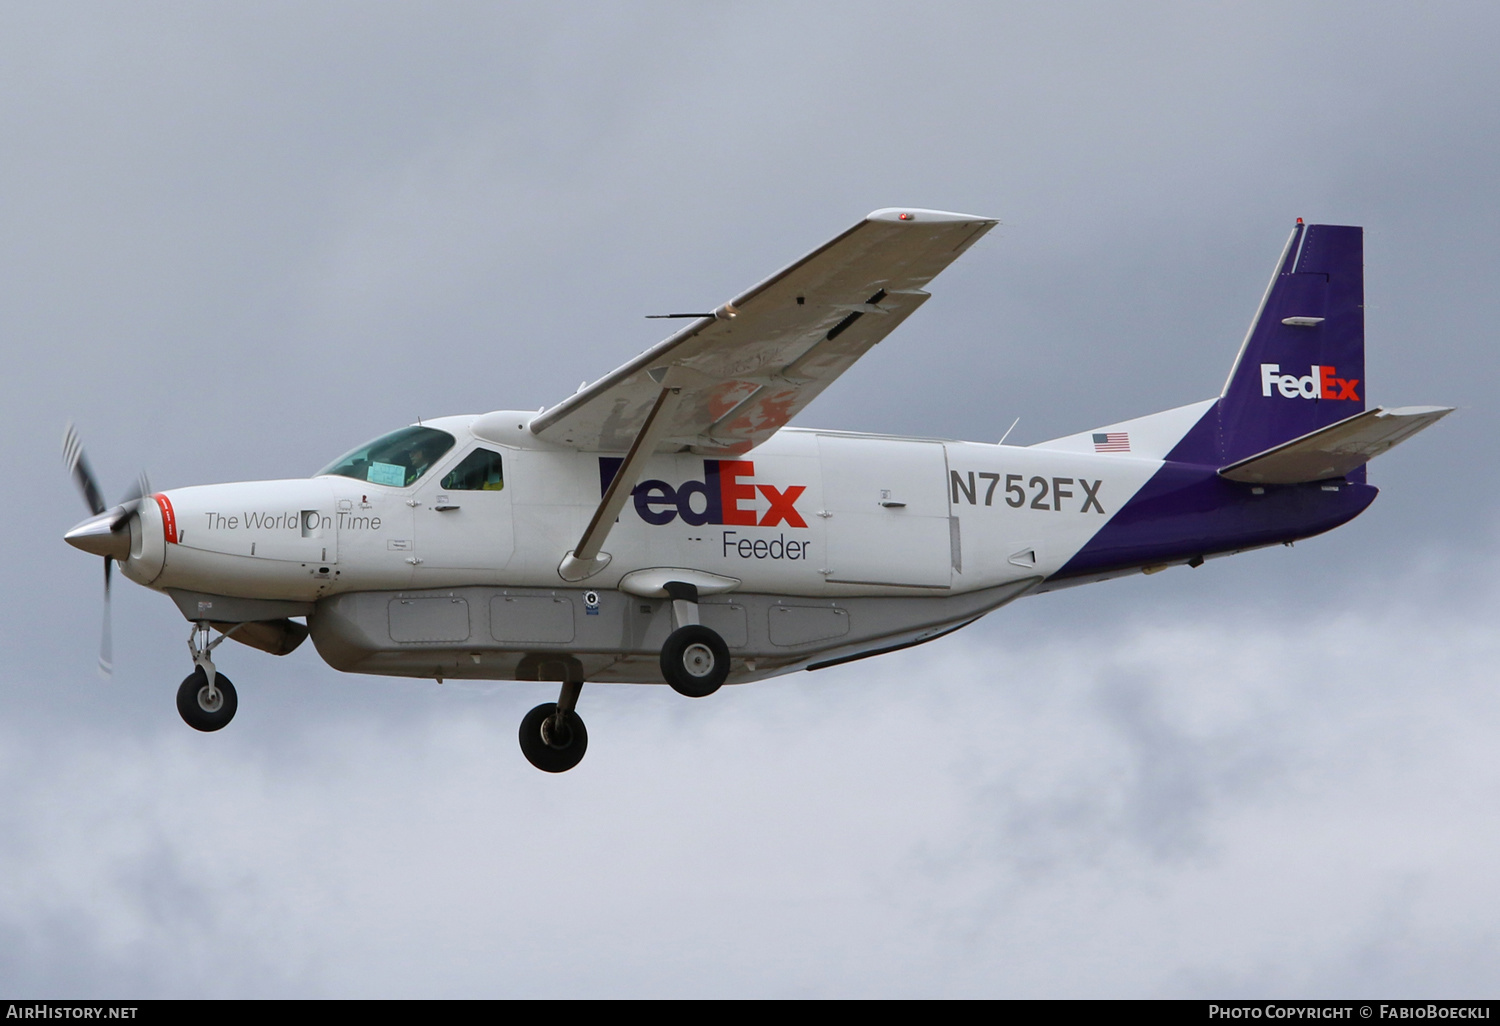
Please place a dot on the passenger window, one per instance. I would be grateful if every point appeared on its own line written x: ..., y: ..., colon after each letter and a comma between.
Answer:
x: 479, y: 472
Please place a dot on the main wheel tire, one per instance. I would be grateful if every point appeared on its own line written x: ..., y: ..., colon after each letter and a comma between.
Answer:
x: 695, y: 661
x: 200, y: 710
x: 548, y: 749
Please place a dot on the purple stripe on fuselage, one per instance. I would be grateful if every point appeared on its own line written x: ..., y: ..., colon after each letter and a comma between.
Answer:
x: 1188, y: 510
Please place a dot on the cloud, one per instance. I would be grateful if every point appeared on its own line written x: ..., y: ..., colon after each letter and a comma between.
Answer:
x: 1243, y: 802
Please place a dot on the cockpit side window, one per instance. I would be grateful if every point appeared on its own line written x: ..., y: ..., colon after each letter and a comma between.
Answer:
x: 479, y: 472
x: 396, y: 459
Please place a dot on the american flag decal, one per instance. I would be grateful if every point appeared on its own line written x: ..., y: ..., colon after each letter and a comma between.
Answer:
x: 1112, y: 441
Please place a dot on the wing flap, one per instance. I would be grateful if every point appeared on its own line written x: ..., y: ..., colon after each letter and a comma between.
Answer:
x: 1335, y: 450
x: 745, y: 371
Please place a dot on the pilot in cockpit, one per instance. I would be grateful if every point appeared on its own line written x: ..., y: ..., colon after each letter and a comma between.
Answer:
x: 417, y: 461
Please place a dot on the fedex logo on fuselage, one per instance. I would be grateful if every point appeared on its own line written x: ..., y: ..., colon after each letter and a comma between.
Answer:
x: 722, y: 497
x: 1320, y: 384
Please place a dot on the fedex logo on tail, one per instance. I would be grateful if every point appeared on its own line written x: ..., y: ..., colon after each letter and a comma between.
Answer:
x: 722, y: 497
x: 1321, y: 383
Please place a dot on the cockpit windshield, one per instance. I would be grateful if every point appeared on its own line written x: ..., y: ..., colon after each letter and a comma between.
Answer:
x: 396, y: 459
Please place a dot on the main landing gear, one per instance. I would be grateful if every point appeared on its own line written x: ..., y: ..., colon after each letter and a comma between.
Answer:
x: 206, y: 700
x: 695, y: 660
x: 553, y: 737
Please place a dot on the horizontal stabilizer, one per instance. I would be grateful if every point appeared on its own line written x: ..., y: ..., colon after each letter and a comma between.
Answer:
x: 1336, y: 450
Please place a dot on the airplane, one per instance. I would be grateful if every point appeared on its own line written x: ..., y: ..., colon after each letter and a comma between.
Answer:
x: 665, y: 525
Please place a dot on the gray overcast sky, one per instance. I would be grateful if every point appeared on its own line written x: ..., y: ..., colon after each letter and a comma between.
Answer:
x: 239, y: 240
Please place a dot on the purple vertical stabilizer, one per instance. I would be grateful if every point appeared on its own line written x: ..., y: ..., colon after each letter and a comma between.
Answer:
x: 1302, y: 366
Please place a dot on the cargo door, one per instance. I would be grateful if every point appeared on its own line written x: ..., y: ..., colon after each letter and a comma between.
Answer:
x: 886, y: 510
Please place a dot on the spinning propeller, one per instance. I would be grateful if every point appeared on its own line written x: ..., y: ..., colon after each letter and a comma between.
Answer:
x: 107, y: 532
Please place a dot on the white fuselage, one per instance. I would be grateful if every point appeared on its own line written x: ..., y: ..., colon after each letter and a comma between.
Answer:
x: 809, y: 513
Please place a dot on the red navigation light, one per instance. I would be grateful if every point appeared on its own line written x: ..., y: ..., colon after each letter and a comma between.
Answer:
x: 905, y: 217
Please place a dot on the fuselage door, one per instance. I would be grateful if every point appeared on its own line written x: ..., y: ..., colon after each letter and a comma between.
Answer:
x: 463, y: 514
x: 886, y: 506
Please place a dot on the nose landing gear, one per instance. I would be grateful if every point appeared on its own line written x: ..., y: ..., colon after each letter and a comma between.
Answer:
x: 206, y: 700
x: 206, y: 706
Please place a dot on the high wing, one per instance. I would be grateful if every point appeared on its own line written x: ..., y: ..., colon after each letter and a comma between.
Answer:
x: 739, y: 374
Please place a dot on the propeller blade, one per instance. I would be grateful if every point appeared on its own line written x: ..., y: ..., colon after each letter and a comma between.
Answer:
x: 106, y: 643
x: 83, y: 474
x: 138, y: 490
x: 102, y: 534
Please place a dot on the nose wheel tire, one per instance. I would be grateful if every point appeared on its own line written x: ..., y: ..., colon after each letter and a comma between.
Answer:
x: 695, y: 661
x: 550, y: 746
x: 203, y: 708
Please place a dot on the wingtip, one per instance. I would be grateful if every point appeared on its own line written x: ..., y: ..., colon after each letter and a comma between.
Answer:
x: 902, y: 215
x: 1435, y: 412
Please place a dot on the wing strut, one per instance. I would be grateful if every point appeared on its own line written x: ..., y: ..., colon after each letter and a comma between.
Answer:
x: 585, y: 560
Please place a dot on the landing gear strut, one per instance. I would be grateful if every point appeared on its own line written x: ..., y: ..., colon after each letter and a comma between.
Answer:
x: 553, y: 737
x: 206, y: 699
x: 694, y: 660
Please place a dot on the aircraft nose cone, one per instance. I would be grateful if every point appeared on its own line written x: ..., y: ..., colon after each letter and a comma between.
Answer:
x: 103, y: 535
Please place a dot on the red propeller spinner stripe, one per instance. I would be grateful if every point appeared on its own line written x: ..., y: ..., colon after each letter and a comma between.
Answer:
x: 168, y: 518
